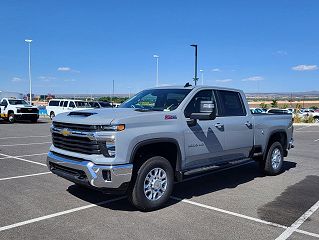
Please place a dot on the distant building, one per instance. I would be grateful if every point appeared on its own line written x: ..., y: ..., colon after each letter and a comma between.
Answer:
x: 4, y: 94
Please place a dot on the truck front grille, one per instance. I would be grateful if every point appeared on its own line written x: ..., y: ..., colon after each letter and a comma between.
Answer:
x: 76, y: 144
x: 76, y: 127
x: 29, y: 110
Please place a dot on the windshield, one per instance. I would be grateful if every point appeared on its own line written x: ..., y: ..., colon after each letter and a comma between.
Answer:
x: 18, y: 102
x: 157, y: 99
x: 82, y: 104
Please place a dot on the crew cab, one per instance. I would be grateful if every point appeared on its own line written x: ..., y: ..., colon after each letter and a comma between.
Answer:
x: 12, y: 109
x: 164, y: 135
x: 57, y: 106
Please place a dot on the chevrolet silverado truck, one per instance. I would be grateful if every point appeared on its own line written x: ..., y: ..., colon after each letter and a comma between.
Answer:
x: 164, y: 135
x: 18, y: 109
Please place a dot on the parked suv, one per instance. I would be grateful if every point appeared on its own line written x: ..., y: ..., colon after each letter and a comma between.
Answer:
x: 163, y: 135
x: 57, y: 106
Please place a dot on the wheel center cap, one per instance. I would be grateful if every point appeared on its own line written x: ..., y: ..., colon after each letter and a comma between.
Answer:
x: 156, y: 184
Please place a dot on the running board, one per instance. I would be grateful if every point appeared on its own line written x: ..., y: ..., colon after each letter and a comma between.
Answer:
x: 214, y: 167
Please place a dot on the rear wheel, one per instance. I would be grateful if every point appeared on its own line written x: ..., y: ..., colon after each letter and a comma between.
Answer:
x: 153, y: 184
x: 52, y: 115
x: 274, y: 159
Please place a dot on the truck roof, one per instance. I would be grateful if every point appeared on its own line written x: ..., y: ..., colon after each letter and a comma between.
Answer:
x: 196, y: 87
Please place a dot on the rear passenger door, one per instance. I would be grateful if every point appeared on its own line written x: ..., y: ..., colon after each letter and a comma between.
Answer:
x: 239, y: 134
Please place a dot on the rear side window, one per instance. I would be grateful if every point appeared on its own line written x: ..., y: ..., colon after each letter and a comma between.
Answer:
x: 72, y: 105
x: 61, y: 103
x: 54, y: 103
x: 230, y: 103
x: 65, y: 104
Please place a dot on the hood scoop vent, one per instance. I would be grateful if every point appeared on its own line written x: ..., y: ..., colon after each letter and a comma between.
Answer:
x: 81, y: 114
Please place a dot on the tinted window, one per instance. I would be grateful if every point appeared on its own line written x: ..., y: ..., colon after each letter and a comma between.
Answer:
x: 54, y: 103
x: 194, y: 104
x: 17, y: 102
x: 105, y: 104
x: 65, y: 104
x: 4, y: 102
x: 157, y: 99
x: 61, y: 103
x: 72, y: 105
x: 231, y: 103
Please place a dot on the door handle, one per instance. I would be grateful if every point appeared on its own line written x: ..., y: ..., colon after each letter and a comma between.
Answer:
x: 249, y: 124
x: 219, y: 126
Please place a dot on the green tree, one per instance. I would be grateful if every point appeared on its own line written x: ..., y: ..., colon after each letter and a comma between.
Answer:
x: 263, y: 105
x: 314, y: 107
x: 274, y: 103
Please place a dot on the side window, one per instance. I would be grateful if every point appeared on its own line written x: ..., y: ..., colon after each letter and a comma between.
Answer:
x: 194, y: 105
x: 65, y: 104
x: 54, y: 103
x: 61, y: 103
x: 231, y: 103
x: 72, y: 105
x: 4, y: 103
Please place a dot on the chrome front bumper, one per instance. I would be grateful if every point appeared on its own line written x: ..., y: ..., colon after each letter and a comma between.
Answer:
x: 87, y: 173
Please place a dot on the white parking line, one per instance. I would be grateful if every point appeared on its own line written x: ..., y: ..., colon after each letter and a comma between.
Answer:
x: 293, y: 228
x: 28, y: 155
x: 23, y: 176
x: 22, y: 159
x: 15, y: 225
x: 242, y: 216
x: 27, y: 137
x: 23, y: 144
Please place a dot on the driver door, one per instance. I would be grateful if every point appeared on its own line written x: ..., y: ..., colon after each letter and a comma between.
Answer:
x: 204, y: 141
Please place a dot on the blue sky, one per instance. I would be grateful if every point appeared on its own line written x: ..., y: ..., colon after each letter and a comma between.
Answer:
x: 81, y: 46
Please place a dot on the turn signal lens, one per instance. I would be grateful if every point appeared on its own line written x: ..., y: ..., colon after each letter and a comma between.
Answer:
x: 120, y: 127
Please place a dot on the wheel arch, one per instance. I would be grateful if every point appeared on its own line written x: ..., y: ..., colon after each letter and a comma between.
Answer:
x: 279, y: 135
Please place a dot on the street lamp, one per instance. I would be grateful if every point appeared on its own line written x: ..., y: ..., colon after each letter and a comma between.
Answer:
x: 29, y: 44
x: 202, y: 76
x: 195, y: 76
x: 157, y: 57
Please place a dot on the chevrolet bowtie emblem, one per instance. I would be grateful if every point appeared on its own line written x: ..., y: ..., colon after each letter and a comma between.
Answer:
x: 65, y: 132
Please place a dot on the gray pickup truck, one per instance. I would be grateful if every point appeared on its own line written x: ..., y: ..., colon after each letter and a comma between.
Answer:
x: 164, y: 135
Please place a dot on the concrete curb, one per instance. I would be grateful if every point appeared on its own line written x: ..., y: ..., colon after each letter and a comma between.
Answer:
x: 307, y: 124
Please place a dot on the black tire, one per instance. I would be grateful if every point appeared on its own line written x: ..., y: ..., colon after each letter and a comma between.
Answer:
x: 11, y: 117
x: 137, y: 195
x: 274, y: 165
x: 52, y: 115
x: 34, y: 120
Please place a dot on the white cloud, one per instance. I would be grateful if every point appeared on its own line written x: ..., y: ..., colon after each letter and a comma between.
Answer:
x: 16, y: 79
x: 253, y: 78
x: 46, y: 78
x: 281, y: 53
x: 305, y: 67
x: 215, y: 70
x: 64, y: 69
x: 224, y: 80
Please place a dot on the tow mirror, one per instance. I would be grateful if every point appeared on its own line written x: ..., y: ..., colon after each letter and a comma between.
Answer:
x: 207, y: 111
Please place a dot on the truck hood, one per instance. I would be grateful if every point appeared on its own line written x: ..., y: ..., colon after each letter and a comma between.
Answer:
x: 24, y: 106
x: 102, y: 116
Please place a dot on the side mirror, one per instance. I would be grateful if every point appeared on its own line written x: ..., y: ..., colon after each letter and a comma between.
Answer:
x: 207, y: 111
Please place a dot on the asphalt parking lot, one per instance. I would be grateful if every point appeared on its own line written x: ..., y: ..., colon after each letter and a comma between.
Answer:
x: 238, y: 203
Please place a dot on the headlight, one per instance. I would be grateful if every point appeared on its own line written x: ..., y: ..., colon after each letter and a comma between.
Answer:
x: 118, y: 127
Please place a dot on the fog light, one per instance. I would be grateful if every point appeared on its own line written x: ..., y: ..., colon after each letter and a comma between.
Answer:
x: 106, y: 175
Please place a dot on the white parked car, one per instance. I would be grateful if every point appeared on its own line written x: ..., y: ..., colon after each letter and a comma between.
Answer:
x: 57, y: 106
x: 309, y: 113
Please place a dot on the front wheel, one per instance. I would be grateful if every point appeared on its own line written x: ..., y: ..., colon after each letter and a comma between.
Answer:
x: 11, y: 118
x: 153, y: 184
x: 52, y: 115
x: 274, y: 159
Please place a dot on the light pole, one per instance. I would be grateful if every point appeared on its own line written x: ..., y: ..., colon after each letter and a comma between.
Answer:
x: 195, y: 76
x: 202, y: 76
x: 29, y: 43
x: 157, y: 57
